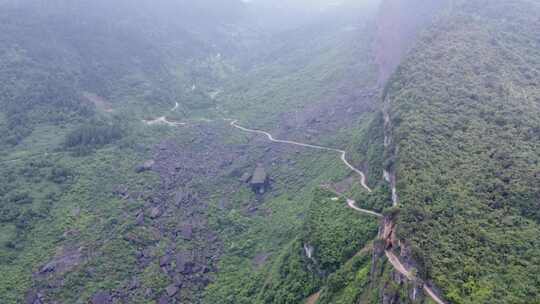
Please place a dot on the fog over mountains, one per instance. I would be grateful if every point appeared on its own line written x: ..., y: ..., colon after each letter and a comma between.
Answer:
x: 269, y: 152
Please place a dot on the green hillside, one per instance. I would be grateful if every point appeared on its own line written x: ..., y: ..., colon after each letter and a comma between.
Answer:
x: 83, y: 219
x: 123, y: 178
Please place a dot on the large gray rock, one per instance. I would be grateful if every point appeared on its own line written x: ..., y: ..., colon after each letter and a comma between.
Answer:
x: 163, y: 300
x: 101, y: 297
x: 33, y: 297
x: 186, y: 232
x: 171, y: 290
x: 155, y: 212
x: 245, y: 177
x: 140, y: 218
x: 147, y: 165
x: 165, y: 260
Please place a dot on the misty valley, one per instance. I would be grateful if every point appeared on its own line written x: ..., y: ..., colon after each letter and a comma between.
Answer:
x: 270, y: 151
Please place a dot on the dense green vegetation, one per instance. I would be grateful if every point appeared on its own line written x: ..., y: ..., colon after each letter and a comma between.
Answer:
x: 28, y: 192
x: 465, y: 106
x: 290, y: 74
x: 76, y: 80
x: 71, y: 137
x: 250, y: 238
x: 291, y: 276
x: 92, y: 135
x: 77, y: 186
x: 336, y: 232
x: 367, y: 148
x: 64, y: 201
x: 346, y: 285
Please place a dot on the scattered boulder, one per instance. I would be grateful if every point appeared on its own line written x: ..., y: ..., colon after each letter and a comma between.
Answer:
x: 143, y: 235
x: 33, y: 297
x: 134, y: 284
x: 179, y: 198
x: 148, y: 293
x: 64, y: 260
x: 178, y: 280
x: 155, y: 212
x: 121, y: 191
x: 171, y: 290
x: 146, y: 166
x: 245, y: 178
x: 155, y: 234
x: 140, y: 218
x: 71, y: 233
x: 182, y: 260
x: 101, y: 297
x: 260, y: 259
x: 148, y: 252
x: 163, y: 300
x: 165, y: 260
x: 190, y: 268
x: 186, y: 232
x: 206, y: 269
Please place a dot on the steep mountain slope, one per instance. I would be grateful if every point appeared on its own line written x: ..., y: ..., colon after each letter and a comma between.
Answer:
x: 77, y: 78
x: 323, y: 95
x: 99, y: 206
x: 54, y: 53
x: 464, y: 109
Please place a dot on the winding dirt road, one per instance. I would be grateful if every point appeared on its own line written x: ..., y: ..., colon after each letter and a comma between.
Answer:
x: 352, y: 204
x: 396, y: 263
x: 433, y: 295
x: 163, y: 121
x: 343, y: 153
x: 392, y: 258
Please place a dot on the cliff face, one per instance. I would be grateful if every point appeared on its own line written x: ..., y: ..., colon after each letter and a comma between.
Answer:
x: 449, y: 93
x: 399, y: 23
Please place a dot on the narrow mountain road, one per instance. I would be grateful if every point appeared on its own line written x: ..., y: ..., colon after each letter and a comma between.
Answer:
x: 396, y: 263
x: 163, y: 121
x: 343, y: 153
x: 394, y: 260
x: 433, y: 295
x: 313, y: 298
x: 352, y: 204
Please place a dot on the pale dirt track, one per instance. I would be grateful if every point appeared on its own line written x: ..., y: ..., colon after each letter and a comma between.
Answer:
x: 352, y: 204
x: 398, y: 266
x: 313, y: 298
x: 392, y: 258
x: 163, y: 121
x: 343, y: 153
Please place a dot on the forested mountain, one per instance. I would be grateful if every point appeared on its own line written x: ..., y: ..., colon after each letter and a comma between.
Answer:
x: 464, y: 109
x: 340, y: 152
x: 54, y: 51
